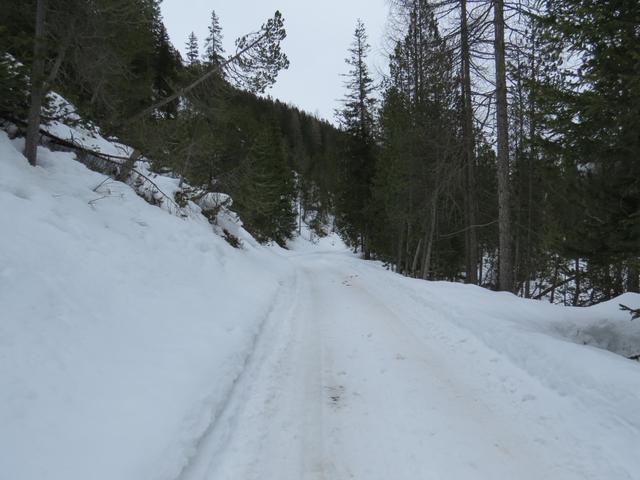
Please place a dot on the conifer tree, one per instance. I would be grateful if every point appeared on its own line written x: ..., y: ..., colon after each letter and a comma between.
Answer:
x: 506, y: 280
x: 193, y: 51
x: 419, y: 143
x: 214, y: 50
x: 357, y: 119
x: 167, y: 65
x: 266, y: 194
x: 592, y: 115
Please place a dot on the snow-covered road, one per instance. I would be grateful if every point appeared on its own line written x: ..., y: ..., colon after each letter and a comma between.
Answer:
x: 357, y: 375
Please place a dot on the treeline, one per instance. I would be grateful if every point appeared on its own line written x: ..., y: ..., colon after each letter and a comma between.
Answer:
x: 199, y: 117
x: 503, y: 148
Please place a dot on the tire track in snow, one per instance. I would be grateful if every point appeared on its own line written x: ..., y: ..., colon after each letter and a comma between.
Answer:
x: 211, y: 442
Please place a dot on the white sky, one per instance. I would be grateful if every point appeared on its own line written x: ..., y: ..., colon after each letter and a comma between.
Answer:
x: 319, y: 32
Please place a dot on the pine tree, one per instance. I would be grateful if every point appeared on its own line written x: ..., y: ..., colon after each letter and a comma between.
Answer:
x: 356, y: 117
x: 591, y: 115
x: 470, y: 197
x: 214, y: 50
x: 420, y: 145
x: 193, y: 55
x: 357, y: 120
x: 38, y: 84
x: 266, y: 194
x: 506, y: 281
x: 167, y: 64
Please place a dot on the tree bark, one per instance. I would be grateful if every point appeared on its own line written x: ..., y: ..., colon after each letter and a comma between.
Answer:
x: 471, y: 238
x: 504, y: 201
x: 576, y: 296
x: 633, y: 280
x: 37, y: 86
x: 416, y: 259
x: 426, y: 265
x: 530, y: 170
x: 400, y: 249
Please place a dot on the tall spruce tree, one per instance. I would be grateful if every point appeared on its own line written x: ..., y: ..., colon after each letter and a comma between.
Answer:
x: 214, y: 50
x: 265, y: 195
x: 193, y: 50
x: 417, y: 166
x: 593, y: 117
x: 357, y: 120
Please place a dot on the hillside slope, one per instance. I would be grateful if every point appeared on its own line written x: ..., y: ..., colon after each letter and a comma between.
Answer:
x: 122, y: 327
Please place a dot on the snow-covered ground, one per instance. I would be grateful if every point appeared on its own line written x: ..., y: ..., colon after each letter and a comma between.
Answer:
x: 135, y: 344
x: 122, y: 327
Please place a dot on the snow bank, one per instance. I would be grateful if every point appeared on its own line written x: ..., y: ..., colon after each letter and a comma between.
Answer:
x: 604, y: 326
x: 307, y: 240
x: 527, y: 360
x: 67, y: 124
x: 122, y: 327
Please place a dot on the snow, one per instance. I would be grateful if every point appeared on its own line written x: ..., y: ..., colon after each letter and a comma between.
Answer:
x: 122, y: 328
x: 369, y: 375
x: 137, y: 344
x: 68, y: 125
x: 307, y: 240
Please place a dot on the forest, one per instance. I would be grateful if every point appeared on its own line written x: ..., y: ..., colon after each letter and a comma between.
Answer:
x: 501, y: 148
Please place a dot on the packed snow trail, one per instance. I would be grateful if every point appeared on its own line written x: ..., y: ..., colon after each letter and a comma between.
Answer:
x: 356, y: 377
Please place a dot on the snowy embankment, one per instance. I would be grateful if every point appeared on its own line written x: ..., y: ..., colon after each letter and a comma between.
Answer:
x: 122, y: 327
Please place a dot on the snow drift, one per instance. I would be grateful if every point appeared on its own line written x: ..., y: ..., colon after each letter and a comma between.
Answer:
x: 122, y: 327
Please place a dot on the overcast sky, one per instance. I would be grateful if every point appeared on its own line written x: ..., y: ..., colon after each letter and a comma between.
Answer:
x: 319, y: 34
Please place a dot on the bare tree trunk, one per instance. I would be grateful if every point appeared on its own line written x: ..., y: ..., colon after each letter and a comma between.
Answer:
x: 633, y: 280
x: 416, y: 258
x: 576, y: 296
x: 407, y: 249
x: 530, y: 160
x: 555, y: 285
x: 619, y: 280
x: 426, y: 265
x: 365, y: 244
x: 504, y: 206
x: 400, y: 250
x: 37, y: 86
x: 471, y: 238
x: 186, y: 163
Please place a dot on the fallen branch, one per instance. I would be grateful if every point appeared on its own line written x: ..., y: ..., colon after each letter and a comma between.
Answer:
x: 105, y: 157
x: 634, y: 312
x: 554, y: 286
x: 107, y: 179
x: 449, y: 235
x: 96, y: 200
x: 111, y: 159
